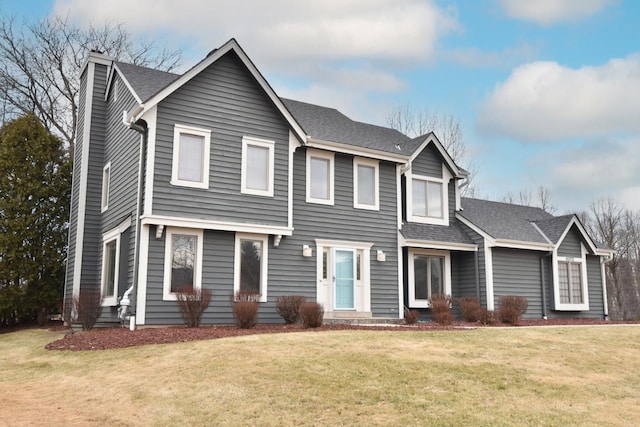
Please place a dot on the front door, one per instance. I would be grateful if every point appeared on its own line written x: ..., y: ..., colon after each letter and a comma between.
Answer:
x: 344, y: 269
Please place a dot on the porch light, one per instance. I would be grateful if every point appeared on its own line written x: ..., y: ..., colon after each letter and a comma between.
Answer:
x: 382, y: 257
x: 306, y: 251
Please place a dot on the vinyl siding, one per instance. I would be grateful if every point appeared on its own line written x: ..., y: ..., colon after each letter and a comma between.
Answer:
x: 428, y: 163
x: 479, y: 241
x: 517, y: 272
x: 463, y: 273
x: 570, y: 246
x: 225, y: 99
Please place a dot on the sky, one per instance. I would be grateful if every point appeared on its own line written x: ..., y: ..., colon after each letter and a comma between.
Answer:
x: 547, y: 91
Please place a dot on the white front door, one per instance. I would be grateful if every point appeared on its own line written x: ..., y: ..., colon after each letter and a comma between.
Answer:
x: 344, y: 279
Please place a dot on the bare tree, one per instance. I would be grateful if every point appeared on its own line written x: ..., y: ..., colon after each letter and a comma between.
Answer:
x: 447, y: 128
x: 40, y: 67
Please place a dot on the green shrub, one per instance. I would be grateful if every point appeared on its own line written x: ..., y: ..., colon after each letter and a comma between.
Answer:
x: 288, y: 307
x: 312, y: 314
x: 411, y: 316
x: 192, y: 303
x: 511, y: 308
x: 470, y: 309
x: 441, y: 309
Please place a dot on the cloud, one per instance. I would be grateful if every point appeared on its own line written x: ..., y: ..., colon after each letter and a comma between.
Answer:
x: 544, y: 101
x: 548, y: 12
x: 477, y: 58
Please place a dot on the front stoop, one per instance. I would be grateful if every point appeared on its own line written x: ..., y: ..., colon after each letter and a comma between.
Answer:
x: 362, y: 321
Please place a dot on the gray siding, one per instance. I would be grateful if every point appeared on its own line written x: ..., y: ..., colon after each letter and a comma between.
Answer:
x: 226, y: 99
x: 463, y: 274
x: 428, y: 163
x: 517, y: 272
x: 570, y: 246
x: 479, y: 240
x: 594, y: 280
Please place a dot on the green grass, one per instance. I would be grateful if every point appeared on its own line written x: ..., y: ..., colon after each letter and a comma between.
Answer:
x: 494, y: 376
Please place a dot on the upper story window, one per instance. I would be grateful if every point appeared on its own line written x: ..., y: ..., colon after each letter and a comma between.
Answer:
x: 106, y: 182
x: 365, y: 184
x: 183, y: 261
x: 320, y: 165
x: 427, y: 200
x: 257, y: 166
x: 191, y: 148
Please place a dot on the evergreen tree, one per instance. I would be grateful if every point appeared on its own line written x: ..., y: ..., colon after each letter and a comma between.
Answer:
x: 35, y: 176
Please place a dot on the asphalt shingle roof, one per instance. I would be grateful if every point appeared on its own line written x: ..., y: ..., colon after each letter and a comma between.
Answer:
x: 505, y: 220
x: 146, y: 82
x: 329, y: 124
x: 554, y: 227
x: 436, y: 233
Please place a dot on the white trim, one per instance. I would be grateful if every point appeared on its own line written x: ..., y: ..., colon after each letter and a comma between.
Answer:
x: 215, y: 225
x: 167, y: 295
x: 108, y: 237
x: 356, y: 151
x: 84, y: 172
x: 324, y: 155
x: 444, y: 199
x: 213, y: 57
x: 559, y: 306
x: 541, y: 233
x: 248, y: 141
x: 126, y: 82
x: 106, y: 189
x: 151, y: 117
x: 343, y: 244
x: 264, y: 262
x: 293, y: 145
x: 585, y: 235
x: 143, y: 266
x: 178, y: 130
x: 446, y: 286
x: 517, y: 244
x: 603, y: 277
x: 399, y: 196
x: 375, y: 164
x: 432, y: 138
x: 431, y: 244
x: 488, y: 270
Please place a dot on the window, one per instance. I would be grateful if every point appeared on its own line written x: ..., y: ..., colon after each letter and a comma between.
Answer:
x: 183, y: 261
x: 429, y: 274
x: 110, y: 270
x: 427, y: 200
x: 251, y: 264
x: 257, y: 166
x: 365, y: 184
x: 571, y: 290
x: 320, y: 177
x: 106, y: 182
x: 191, y: 148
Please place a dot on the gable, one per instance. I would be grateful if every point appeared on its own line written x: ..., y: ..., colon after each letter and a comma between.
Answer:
x: 428, y: 163
x: 570, y: 246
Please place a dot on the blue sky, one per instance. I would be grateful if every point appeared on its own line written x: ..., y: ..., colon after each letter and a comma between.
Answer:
x: 547, y: 91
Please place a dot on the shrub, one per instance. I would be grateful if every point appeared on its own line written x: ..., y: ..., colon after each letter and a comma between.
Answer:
x: 88, y: 308
x: 245, y: 309
x: 288, y: 307
x: 487, y: 317
x: 512, y: 308
x: 312, y: 314
x: 411, y: 316
x: 441, y: 309
x: 192, y: 303
x: 470, y: 309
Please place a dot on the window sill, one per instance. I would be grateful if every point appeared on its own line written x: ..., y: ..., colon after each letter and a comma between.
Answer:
x: 572, y: 307
x: 190, y: 184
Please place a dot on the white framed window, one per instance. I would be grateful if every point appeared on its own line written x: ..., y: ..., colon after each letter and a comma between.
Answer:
x: 366, y: 192
x: 191, y: 152
x: 251, y: 264
x: 571, y: 290
x: 429, y: 274
x: 106, y: 183
x: 320, y: 176
x: 427, y: 200
x: 182, y: 261
x: 257, y: 166
x: 110, y: 269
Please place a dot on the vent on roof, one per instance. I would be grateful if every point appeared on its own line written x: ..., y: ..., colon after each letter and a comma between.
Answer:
x: 212, y: 52
x: 97, y: 51
x: 398, y: 147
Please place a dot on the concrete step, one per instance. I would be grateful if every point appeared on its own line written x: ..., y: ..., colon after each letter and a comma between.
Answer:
x: 362, y: 321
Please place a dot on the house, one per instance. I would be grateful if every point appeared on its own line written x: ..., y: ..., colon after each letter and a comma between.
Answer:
x: 208, y: 179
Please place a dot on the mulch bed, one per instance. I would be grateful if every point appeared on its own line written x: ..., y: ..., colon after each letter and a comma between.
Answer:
x: 108, y: 338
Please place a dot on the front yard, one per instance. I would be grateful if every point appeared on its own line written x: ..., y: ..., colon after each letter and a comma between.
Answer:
x: 585, y: 375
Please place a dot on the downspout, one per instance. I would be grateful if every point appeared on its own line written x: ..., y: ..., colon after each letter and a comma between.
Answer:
x: 477, y: 267
x: 543, y: 284
x: 603, y: 274
x: 125, y: 302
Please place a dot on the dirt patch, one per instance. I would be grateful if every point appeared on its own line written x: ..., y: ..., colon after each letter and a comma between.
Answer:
x: 103, y: 339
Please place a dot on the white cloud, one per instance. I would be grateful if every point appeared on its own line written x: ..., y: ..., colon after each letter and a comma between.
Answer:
x: 547, y: 12
x: 477, y: 58
x: 544, y: 101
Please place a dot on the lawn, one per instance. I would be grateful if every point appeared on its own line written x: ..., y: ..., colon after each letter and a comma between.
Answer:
x: 587, y: 375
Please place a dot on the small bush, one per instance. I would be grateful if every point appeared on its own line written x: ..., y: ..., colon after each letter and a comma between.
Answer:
x: 87, y: 308
x: 245, y: 309
x: 312, y: 314
x: 487, y: 317
x: 411, y: 316
x: 470, y: 309
x: 441, y: 309
x: 288, y: 307
x: 511, y: 309
x: 192, y: 303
